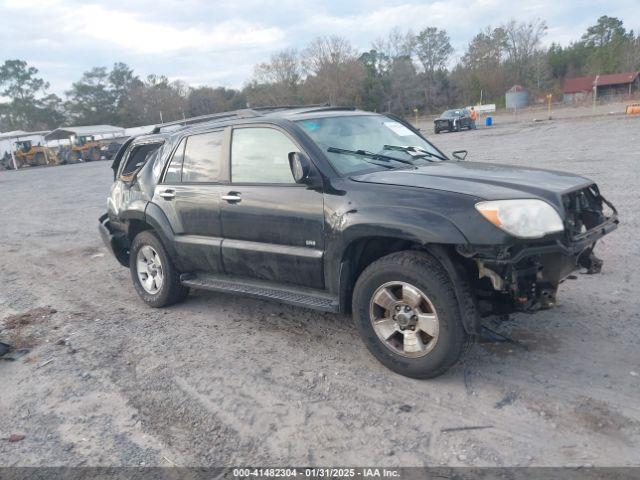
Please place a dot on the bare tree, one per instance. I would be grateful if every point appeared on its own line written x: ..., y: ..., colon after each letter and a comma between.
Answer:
x: 397, y: 44
x: 278, y: 81
x: 158, y: 99
x: 334, y: 72
x: 522, y: 41
x: 284, y: 68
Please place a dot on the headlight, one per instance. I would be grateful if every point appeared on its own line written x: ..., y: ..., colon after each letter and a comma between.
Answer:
x: 526, y: 218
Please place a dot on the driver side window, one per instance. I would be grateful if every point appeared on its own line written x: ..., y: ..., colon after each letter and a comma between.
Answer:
x: 261, y: 155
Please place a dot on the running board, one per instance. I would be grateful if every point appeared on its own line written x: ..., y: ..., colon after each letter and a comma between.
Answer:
x: 299, y: 297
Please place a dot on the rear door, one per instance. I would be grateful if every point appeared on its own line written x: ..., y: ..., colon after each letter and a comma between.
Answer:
x: 273, y: 228
x: 189, y: 194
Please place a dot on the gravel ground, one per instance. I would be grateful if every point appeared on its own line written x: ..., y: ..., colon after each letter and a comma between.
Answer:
x: 224, y: 380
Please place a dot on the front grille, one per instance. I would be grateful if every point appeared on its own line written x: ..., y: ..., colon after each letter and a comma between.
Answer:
x: 584, y: 210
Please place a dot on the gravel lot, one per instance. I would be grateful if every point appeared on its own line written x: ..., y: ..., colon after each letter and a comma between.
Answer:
x: 225, y: 380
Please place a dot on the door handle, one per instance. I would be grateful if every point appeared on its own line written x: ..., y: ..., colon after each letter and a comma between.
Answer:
x: 232, y: 197
x: 168, y: 194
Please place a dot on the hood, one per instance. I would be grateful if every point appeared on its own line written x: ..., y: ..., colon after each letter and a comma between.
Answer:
x: 444, y: 119
x: 485, y: 181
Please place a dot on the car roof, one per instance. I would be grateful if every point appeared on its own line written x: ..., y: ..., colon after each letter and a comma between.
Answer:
x: 292, y: 113
x: 177, y: 129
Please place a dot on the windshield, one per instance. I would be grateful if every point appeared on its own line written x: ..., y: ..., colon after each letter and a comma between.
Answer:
x: 453, y: 113
x: 367, y: 133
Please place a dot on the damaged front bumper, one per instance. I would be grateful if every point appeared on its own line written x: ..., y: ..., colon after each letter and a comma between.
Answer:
x: 525, y: 277
x: 114, y: 240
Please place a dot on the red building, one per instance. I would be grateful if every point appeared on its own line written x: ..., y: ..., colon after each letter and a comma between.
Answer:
x: 609, y: 86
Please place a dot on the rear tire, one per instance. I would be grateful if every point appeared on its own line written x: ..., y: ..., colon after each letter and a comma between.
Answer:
x: 168, y: 290
x: 38, y: 159
x: 421, y: 274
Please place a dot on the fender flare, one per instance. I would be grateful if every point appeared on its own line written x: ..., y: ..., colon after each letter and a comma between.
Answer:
x: 417, y: 226
x: 154, y: 216
x: 467, y: 301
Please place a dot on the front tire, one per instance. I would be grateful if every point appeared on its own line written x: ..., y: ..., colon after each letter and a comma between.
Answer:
x: 93, y: 155
x: 154, y: 276
x: 406, y: 311
x: 75, y: 157
x: 38, y: 160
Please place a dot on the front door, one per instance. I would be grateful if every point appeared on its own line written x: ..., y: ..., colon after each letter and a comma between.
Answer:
x: 190, y: 197
x: 273, y: 228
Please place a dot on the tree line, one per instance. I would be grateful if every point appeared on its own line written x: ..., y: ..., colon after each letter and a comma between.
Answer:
x: 399, y: 73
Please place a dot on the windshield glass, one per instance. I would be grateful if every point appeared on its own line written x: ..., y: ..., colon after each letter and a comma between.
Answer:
x: 369, y: 133
x: 453, y: 113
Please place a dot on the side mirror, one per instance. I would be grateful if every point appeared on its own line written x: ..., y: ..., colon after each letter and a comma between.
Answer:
x: 460, y: 154
x: 300, y: 167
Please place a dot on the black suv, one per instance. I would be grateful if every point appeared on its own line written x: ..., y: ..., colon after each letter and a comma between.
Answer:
x: 453, y: 121
x: 342, y: 210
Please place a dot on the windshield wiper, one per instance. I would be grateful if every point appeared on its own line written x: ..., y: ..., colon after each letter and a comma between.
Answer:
x: 415, y: 151
x: 374, y: 156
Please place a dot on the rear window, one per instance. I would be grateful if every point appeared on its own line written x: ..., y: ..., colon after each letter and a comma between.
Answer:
x: 138, y: 157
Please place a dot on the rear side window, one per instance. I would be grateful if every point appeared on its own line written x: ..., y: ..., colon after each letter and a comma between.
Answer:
x: 174, y: 170
x: 203, y: 157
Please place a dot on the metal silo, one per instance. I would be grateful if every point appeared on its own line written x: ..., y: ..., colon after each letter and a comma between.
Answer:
x: 517, y: 97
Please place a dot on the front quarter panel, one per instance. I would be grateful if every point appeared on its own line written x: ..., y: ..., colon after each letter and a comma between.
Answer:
x: 368, y: 210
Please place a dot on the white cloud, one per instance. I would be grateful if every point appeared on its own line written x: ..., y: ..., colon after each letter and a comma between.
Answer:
x: 218, y: 42
x: 95, y: 24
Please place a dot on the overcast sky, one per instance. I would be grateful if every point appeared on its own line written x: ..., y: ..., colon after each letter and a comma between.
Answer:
x: 218, y: 42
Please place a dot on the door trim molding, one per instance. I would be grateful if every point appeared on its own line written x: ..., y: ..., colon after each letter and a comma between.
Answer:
x: 272, y: 248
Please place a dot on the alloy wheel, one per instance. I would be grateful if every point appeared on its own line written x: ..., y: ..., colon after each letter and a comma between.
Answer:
x: 150, y: 271
x: 404, y: 319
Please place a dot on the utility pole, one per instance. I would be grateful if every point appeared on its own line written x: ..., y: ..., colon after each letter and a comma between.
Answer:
x: 595, y: 91
x: 549, y: 97
x: 13, y: 158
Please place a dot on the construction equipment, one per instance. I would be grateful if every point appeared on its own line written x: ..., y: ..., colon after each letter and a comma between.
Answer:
x: 84, y: 148
x: 29, y: 155
x: 6, y: 162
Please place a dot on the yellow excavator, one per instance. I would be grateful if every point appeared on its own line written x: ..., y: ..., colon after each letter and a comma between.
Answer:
x: 29, y: 155
x: 85, y: 148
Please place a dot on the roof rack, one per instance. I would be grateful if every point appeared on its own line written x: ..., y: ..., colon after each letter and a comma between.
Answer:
x: 289, y: 107
x: 204, y: 118
x: 245, y: 113
x: 329, y: 108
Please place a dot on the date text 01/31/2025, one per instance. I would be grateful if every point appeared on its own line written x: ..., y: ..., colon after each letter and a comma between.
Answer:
x: 315, y: 472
